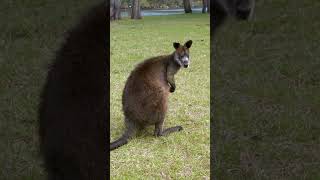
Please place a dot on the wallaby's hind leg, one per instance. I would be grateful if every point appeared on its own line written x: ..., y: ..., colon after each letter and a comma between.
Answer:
x: 158, y: 131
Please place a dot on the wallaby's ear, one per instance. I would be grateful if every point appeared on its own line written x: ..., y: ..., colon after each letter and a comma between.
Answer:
x: 188, y: 44
x: 176, y: 45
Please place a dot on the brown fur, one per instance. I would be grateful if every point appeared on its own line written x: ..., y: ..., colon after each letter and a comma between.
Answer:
x: 145, y: 93
x: 72, y: 112
x: 145, y: 96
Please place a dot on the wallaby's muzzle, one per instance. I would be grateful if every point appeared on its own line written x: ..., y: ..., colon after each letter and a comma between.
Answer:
x: 185, y: 61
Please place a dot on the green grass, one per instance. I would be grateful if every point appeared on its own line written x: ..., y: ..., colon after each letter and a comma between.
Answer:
x: 181, y: 155
x: 266, y: 88
x: 30, y: 33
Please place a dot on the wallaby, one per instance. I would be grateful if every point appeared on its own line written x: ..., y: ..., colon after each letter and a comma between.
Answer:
x: 145, y: 95
x: 73, y: 104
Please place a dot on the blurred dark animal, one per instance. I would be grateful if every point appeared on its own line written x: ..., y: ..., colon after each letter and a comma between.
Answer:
x: 73, y: 105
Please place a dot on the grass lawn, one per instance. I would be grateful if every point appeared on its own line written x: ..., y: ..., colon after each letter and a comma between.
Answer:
x: 266, y: 79
x: 30, y: 33
x: 181, y: 155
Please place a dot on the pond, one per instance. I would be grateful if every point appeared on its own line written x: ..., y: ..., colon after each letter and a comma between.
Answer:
x: 161, y: 12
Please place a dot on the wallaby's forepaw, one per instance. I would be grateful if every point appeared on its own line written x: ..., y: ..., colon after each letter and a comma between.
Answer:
x: 172, y: 88
x: 180, y: 128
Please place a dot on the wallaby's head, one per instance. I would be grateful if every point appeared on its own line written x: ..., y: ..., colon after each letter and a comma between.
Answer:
x: 241, y: 9
x: 181, y: 55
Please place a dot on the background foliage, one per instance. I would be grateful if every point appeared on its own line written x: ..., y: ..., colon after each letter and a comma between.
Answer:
x: 161, y: 3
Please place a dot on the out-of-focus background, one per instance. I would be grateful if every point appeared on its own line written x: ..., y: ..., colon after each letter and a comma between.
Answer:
x: 266, y: 81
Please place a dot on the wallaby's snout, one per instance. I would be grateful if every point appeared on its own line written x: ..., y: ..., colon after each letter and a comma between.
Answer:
x: 185, y: 60
x: 243, y: 13
x: 244, y: 9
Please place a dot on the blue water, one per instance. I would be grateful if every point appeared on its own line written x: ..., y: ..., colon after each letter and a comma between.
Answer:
x: 162, y: 12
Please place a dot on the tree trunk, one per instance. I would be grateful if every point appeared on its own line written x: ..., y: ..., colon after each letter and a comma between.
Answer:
x: 115, y: 11
x: 136, y: 10
x: 187, y: 6
x: 204, y: 6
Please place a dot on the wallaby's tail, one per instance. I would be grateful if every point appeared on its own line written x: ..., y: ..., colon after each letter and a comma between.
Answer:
x: 119, y: 142
x: 128, y: 134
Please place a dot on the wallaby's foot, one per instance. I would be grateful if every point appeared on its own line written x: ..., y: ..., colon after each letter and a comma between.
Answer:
x: 168, y: 131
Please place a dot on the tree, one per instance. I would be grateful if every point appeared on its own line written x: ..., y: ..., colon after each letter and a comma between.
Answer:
x: 204, y: 6
x: 115, y: 12
x: 187, y: 6
x: 136, y: 10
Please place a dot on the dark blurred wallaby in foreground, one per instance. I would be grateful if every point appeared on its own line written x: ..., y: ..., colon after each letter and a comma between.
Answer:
x: 73, y: 103
x: 145, y: 96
